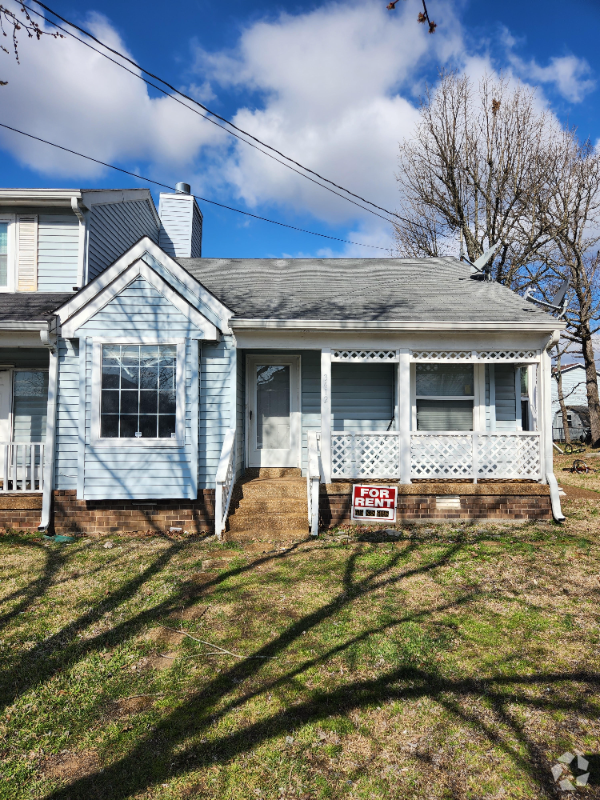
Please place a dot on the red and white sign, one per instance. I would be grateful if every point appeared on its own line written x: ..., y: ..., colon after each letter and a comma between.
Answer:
x: 374, y: 503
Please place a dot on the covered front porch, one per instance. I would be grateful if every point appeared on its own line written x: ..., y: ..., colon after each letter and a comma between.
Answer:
x: 23, y: 416
x: 407, y: 416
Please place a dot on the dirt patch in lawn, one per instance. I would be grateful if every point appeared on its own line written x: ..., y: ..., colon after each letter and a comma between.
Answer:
x: 577, y: 493
x: 70, y: 766
x: 132, y: 705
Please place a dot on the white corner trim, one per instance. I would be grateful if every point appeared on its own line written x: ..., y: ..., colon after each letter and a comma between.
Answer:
x: 202, y: 295
x: 96, y: 396
x: 134, y: 254
x: 135, y: 270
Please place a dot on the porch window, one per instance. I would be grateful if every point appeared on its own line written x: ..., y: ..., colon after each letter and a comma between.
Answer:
x: 30, y: 401
x: 138, y: 391
x: 444, y: 397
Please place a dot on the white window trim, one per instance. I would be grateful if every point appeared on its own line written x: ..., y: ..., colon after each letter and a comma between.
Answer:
x: 475, y: 398
x: 11, y: 259
x: 96, y: 395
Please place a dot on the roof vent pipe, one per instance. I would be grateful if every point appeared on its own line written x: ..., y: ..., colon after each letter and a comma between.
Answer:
x: 182, y: 188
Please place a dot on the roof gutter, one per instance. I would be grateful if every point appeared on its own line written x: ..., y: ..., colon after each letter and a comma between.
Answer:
x: 9, y: 325
x: 341, y: 325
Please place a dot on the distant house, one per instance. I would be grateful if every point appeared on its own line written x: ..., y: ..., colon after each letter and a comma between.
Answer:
x: 575, y: 396
x: 144, y: 386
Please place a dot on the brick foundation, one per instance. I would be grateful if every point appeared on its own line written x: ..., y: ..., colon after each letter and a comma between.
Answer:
x: 418, y: 502
x: 128, y: 516
x: 20, y: 511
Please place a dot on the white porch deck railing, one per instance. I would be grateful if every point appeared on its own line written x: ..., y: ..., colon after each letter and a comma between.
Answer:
x: 441, y: 456
x: 224, y: 482
x: 21, y: 467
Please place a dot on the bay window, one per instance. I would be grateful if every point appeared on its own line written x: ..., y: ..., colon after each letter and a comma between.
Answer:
x: 141, y: 396
x: 445, y: 395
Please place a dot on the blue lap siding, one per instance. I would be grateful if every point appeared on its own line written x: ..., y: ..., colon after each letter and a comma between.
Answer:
x: 118, y: 470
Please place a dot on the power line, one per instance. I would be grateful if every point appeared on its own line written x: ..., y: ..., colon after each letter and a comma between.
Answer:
x: 202, y: 116
x: 204, y: 108
x: 198, y: 197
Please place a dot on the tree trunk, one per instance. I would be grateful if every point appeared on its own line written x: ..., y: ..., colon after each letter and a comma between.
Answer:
x: 561, y: 400
x: 591, y: 380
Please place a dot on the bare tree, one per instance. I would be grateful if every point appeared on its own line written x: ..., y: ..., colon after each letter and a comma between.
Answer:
x: 11, y: 25
x: 478, y: 169
x: 575, y: 215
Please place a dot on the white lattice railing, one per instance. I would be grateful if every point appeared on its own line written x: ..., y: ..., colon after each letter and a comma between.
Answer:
x: 365, y: 455
x: 313, y: 479
x: 438, y: 456
x: 224, y: 482
x: 21, y: 467
x: 364, y: 356
x: 487, y: 356
x: 478, y: 456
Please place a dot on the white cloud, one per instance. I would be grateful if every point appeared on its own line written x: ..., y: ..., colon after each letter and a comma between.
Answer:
x: 68, y: 94
x: 332, y: 83
x: 335, y: 88
x: 569, y: 75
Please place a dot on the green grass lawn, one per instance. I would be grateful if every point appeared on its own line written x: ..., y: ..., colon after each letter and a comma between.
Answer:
x: 455, y: 662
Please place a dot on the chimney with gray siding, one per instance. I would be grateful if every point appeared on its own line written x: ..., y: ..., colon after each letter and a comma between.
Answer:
x: 181, y: 223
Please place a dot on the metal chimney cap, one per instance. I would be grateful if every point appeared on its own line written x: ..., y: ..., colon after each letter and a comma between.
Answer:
x: 182, y: 188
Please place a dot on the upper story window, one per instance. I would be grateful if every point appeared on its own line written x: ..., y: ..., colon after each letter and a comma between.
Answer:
x: 6, y: 252
x: 3, y: 253
x: 139, y: 397
x: 445, y: 397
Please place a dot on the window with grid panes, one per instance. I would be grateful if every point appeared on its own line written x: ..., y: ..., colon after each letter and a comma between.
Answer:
x: 444, y: 397
x: 138, y: 391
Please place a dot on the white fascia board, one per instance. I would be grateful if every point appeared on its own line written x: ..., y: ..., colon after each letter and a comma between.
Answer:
x: 196, y: 292
x: 134, y: 254
x: 138, y: 269
x: 38, y: 197
x: 349, y: 325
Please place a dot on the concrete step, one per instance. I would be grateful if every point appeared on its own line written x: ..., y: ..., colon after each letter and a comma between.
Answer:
x: 262, y: 489
x: 272, y: 472
x: 270, y: 505
x: 263, y: 523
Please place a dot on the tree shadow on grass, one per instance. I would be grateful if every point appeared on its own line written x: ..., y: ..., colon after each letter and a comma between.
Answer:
x: 53, y: 562
x: 162, y: 754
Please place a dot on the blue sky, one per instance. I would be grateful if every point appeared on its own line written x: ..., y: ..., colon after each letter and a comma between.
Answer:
x: 334, y: 85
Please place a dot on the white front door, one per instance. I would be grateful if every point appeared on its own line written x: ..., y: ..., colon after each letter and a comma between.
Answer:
x: 273, y: 421
x: 5, y: 405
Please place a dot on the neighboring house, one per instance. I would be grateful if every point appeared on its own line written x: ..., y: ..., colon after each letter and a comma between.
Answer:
x: 139, y: 400
x: 575, y: 396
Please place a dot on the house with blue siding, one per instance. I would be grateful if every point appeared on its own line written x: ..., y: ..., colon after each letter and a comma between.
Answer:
x: 145, y: 387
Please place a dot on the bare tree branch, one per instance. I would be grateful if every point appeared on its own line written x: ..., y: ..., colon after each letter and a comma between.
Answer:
x: 12, y: 25
x: 423, y: 15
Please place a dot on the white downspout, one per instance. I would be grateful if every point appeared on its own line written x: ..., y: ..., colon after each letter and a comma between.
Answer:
x: 49, y: 445
x: 82, y: 249
x: 545, y: 415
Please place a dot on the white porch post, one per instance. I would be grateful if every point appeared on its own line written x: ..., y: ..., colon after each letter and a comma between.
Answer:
x: 404, y: 413
x: 326, y: 413
x: 545, y: 414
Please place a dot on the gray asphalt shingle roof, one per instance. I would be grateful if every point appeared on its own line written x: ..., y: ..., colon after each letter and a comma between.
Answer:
x: 30, y: 306
x: 367, y: 289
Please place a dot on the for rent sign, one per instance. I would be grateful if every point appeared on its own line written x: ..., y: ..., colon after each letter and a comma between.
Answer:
x: 374, y: 503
